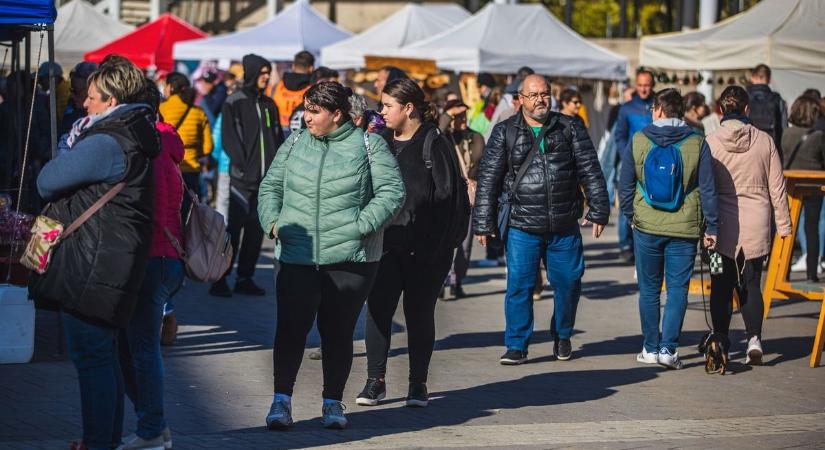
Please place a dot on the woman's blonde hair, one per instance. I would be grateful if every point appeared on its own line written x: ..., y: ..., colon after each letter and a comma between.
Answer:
x: 119, y: 79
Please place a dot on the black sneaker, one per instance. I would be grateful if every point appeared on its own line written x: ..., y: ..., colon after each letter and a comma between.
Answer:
x: 563, y: 349
x: 417, y: 395
x: 513, y: 358
x: 457, y: 292
x: 246, y: 286
x: 374, y: 391
x: 220, y: 289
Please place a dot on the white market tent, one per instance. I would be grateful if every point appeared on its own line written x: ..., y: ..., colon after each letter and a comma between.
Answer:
x: 298, y: 27
x: 787, y: 35
x: 501, y: 38
x: 80, y: 28
x: 410, y: 24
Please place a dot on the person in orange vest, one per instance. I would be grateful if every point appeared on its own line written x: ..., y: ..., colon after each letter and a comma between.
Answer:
x: 289, y: 92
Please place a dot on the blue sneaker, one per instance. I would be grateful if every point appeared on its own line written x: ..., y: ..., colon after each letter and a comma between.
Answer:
x: 280, y: 415
x: 333, y: 415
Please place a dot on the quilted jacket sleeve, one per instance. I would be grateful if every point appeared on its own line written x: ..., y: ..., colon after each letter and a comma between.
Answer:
x: 387, y: 187
x: 271, y: 192
x: 590, y: 175
x: 490, y: 175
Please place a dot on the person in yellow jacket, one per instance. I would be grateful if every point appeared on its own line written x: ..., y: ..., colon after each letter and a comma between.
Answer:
x: 288, y: 94
x: 192, y: 125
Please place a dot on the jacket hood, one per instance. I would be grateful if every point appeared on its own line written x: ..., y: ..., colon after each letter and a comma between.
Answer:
x: 296, y: 81
x: 170, y: 142
x: 735, y: 136
x: 252, y: 65
x: 667, y: 135
x: 142, y: 131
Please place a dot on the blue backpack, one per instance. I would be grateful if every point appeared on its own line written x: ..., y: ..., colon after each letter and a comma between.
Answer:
x: 663, y: 186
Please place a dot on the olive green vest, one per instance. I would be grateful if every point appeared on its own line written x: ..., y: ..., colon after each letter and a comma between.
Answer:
x: 687, y: 221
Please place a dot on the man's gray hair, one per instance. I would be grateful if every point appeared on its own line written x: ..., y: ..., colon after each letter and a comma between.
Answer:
x: 359, y: 106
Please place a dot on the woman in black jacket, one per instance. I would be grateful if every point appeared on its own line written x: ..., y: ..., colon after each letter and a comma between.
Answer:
x: 416, y: 257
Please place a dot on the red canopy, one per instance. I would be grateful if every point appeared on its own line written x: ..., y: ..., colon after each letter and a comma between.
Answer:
x: 151, y: 44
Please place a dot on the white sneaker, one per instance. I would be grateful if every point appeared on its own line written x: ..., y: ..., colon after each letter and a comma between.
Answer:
x: 801, y: 265
x: 166, y: 434
x: 754, y: 354
x: 669, y: 360
x: 646, y: 357
x: 134, y: 442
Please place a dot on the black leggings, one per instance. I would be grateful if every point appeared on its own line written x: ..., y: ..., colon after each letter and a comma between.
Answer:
x: 812, y: 205
x: 420, y: 283
x: 336, y: 294
x: 750, y: 296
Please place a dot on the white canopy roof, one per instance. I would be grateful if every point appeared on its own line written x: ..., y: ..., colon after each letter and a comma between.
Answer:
x: 80, y: 28
x: 784, y: 34
x: 501, y: 38
x: 298, y: 27
x: 410, y: 24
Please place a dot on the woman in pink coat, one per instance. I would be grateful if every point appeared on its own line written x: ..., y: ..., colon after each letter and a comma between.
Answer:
x: 140, y: 357
x: 751, y: 189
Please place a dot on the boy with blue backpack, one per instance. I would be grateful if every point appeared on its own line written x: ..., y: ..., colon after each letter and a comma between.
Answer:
x: 669, y: 196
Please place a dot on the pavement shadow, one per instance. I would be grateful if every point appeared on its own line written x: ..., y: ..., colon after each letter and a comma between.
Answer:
x: 463, y: 405
x: 608, y: 289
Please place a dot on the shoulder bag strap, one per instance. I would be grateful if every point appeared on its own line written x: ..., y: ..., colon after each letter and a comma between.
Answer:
x: 367, y: 145
x: 93, y: 209
x: 530, y: 157
x: 183, y: 117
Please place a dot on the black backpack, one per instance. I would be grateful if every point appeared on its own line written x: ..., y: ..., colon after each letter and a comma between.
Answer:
x: 765, y: 112
x: 459, y: 220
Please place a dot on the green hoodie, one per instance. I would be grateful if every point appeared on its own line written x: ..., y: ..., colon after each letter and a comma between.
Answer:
x: 328, y: 199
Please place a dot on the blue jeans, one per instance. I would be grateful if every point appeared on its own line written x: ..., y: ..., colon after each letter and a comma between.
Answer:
x: 140, y: 356
x: 800, y: 232
x: 625, y: 232
x: 564, y: 258
x: 668, y: 259
x: 94, y: 352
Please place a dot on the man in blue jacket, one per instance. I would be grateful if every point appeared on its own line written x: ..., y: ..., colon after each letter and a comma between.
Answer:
x: 633, y: 116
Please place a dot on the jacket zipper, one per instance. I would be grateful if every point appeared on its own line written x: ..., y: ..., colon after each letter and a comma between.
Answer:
x: 318, y: 207
x: 261, y: 124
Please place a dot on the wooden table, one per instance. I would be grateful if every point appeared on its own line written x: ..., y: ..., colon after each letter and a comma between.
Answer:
x: 800, y: 183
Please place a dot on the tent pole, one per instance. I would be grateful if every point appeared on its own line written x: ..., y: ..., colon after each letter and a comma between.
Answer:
x: 27, y: 45
x: 708, y: 13
x: 52, y: 94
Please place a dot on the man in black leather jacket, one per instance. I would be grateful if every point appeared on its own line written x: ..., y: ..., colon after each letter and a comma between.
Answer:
x: 545, y: 207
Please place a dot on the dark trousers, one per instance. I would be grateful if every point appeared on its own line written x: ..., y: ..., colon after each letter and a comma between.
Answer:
x: 94, y: 351
x: 494, y: 248
x: 461, y: 263
x: 243, y: 216
x: 812, y: 205
x: 334, y: 293
x: 420, y: 283
x: 747, y: 284
x: 192, y: 182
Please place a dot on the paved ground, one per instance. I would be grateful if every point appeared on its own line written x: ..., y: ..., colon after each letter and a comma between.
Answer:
x: 219, y: 380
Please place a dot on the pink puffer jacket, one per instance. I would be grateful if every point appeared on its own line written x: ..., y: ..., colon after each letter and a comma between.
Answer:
x: 168, y: 192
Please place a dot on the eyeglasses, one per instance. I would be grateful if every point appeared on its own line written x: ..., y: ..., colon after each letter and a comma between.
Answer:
x: 533, y: 96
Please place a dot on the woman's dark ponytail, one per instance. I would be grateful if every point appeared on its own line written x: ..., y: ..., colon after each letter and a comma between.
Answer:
x: 179, y: 85
x: 405, y: 90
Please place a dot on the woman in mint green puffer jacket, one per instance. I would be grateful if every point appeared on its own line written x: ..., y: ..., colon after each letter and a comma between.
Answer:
x: 325, y: 200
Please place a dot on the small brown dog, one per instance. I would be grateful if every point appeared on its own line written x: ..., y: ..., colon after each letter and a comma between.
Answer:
x: 715, y: 347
